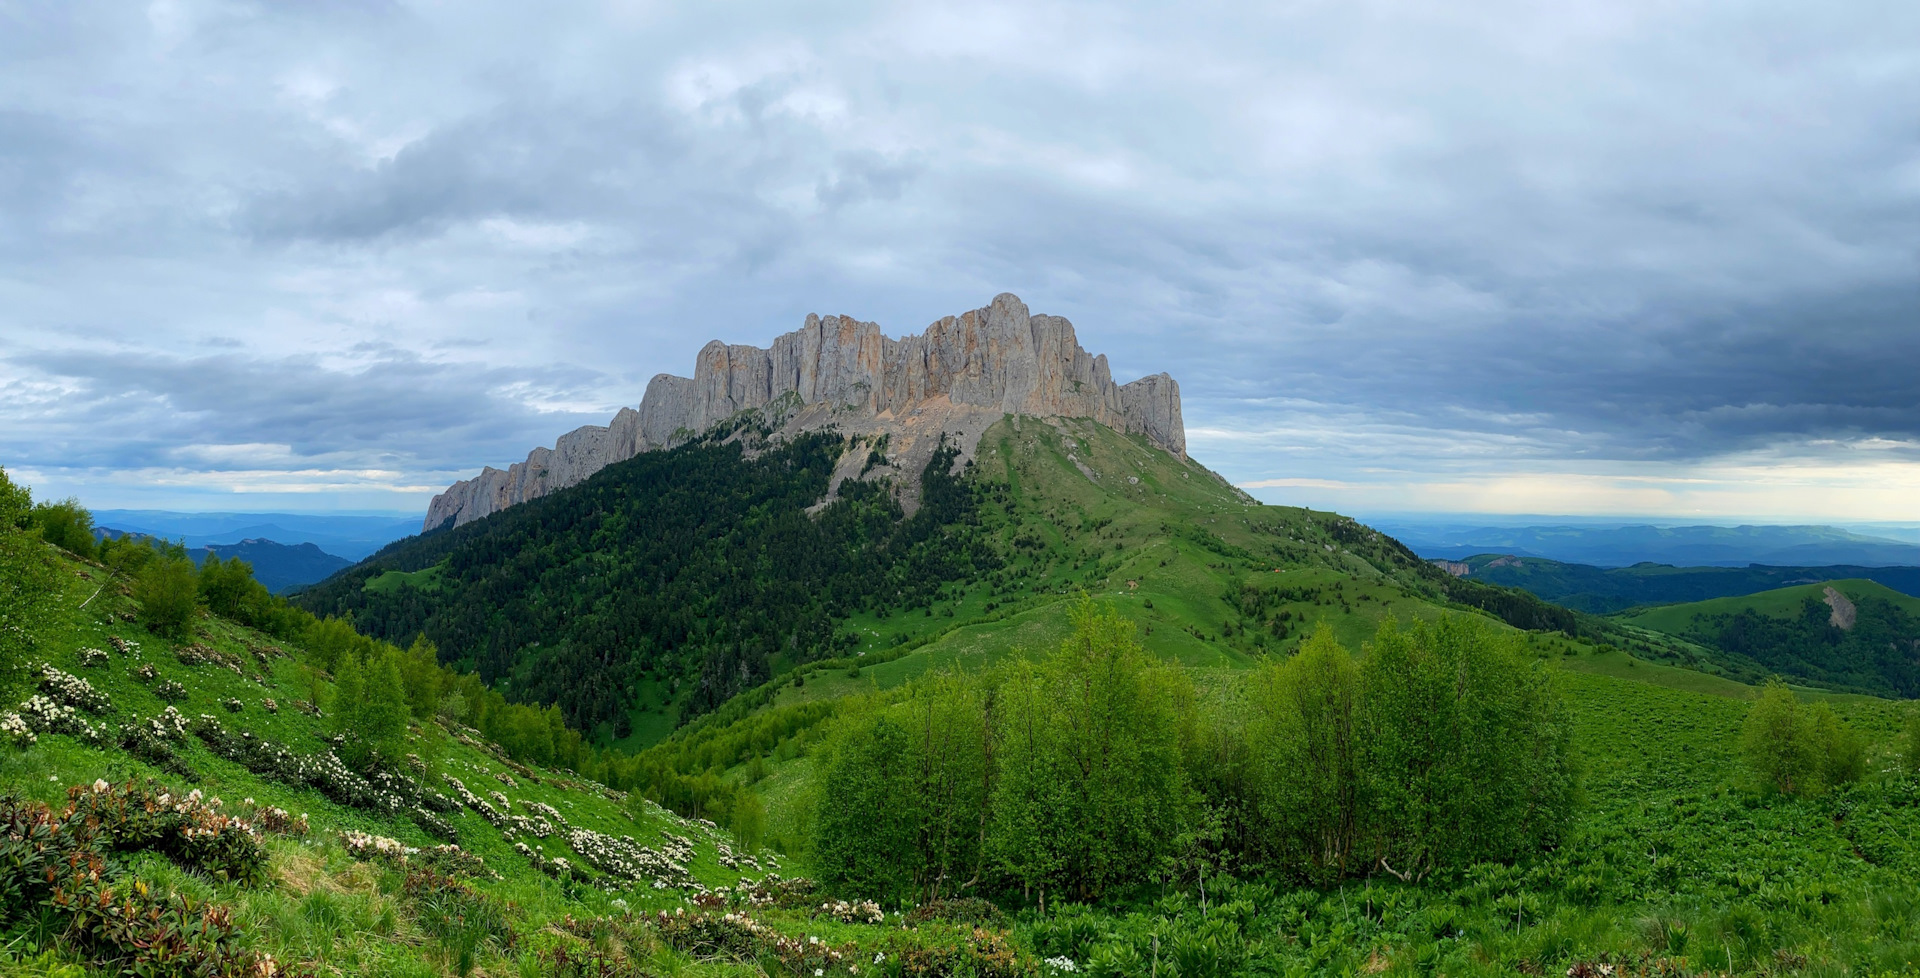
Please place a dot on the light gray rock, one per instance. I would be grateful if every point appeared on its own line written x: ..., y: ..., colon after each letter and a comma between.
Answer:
x: 958, y: 376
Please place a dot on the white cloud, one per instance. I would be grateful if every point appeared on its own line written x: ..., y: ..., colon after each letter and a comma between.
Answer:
x: 1516, y: 253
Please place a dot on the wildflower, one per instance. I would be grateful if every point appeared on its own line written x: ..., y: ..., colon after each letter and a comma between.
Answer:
x: 100, y: 786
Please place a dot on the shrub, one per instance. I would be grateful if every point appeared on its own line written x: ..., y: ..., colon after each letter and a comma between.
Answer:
x: 1911, y: 754
x: 1465, y: 748
x: 170, y: 691
x: 14, y: 729
x: 169, y: 596
x: 42, y: 715
x: 67, y: 689
x: 1795, y: 749
x: 65, y: 524
x: 967, y: 910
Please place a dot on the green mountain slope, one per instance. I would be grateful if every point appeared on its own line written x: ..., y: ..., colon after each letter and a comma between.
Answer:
x: 1673, y: 863
x: 1606, y: 590
x: 1848, y: 634
x: 224, y: 701
x: 670, y: 582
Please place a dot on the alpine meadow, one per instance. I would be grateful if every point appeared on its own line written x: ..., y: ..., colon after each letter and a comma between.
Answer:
x: 956, y: 489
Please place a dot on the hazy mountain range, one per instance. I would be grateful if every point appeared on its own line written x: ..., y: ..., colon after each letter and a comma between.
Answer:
x: 353, y: 535
x: 1626, y: 544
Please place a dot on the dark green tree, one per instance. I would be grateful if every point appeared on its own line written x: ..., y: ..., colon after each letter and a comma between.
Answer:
x: 1466, y: 747
x: 66, y: 524
x: 1090, y: 794
x: 169, y: 595
x: 1306, y: 738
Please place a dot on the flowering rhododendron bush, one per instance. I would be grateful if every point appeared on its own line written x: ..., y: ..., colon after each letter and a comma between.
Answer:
x: 59, y: 859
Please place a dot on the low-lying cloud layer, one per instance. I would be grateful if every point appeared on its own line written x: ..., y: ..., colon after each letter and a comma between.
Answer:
x: 1610, y: 256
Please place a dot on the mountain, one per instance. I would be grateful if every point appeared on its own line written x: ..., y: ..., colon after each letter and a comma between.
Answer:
x: 1623, y: 545
x: 277, y: 565
x: 907, y: 396
x: 1603, y: 590
x: 239, y: 841
x: 1846, y: 634
x: 353, y: 535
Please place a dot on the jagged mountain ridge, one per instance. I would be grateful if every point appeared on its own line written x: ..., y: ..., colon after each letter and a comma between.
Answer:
x: 956, y: 378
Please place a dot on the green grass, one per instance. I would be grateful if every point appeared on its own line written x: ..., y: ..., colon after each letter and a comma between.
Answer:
x: 393, y: 580
x: 1786, y: 602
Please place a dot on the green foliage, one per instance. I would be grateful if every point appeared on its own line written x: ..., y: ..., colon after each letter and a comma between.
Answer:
x: 26, y: 585
x: 16, y: 504
x: 695, y: 563
x: 1061, y: 776
x: 65, y: 524
x: 1910, y: 748
x: 1466, y: 747
x: 748, y: 821
x: 169, y: 596
x: 1090, y: 793
x: 370, y: 709
x: 1793, y: 748
x: 228, y: 589
x: 1793, y: 632
x: 1306, y: 738
x: 866, y: 838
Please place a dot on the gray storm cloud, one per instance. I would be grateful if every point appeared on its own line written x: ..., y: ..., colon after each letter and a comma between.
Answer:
x: 1428, y: 238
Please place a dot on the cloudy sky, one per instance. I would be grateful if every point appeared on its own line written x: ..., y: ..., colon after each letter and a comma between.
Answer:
x: 1654, y: 258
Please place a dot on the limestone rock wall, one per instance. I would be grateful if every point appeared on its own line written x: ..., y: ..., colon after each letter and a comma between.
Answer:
x: 961, y: 370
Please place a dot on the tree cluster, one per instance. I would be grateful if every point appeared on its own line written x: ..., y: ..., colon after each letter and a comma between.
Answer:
x: 694, y: 565
x: 1879, y: 654
x: 1796, y: 748
x: 1097, y: 769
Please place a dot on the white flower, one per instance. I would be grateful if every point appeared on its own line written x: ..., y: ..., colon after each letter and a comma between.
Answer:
x: 100, y: 786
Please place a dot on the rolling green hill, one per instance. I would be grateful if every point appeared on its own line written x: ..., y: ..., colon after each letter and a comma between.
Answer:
x: 1606, y: 590
x: 1848, y: 634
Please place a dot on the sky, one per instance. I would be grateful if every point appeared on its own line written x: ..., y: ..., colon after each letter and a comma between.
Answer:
x: 1658, y: 258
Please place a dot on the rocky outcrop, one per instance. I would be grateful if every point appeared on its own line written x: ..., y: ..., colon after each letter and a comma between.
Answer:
x: 961, y: 374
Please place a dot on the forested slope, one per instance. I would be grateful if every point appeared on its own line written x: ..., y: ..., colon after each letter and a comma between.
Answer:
x: 698, y: 569
x: 668, y: 583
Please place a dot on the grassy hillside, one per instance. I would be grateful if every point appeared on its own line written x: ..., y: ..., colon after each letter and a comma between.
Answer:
x: 652, y: 592
x: 1869, y: 642
x: 1606, y: 590
x: 1675, y: 864
x: 553, y: 874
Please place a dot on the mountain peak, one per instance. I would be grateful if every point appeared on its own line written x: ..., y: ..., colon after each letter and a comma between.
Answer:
x: 954, y: 379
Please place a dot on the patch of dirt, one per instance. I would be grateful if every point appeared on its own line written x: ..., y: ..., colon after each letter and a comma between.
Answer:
x: 1843, y: 614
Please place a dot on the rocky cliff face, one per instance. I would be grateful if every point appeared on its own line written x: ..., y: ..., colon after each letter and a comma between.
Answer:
x: 959, y: 376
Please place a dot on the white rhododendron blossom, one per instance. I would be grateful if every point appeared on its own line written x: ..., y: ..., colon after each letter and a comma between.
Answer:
x: 70, y: 690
